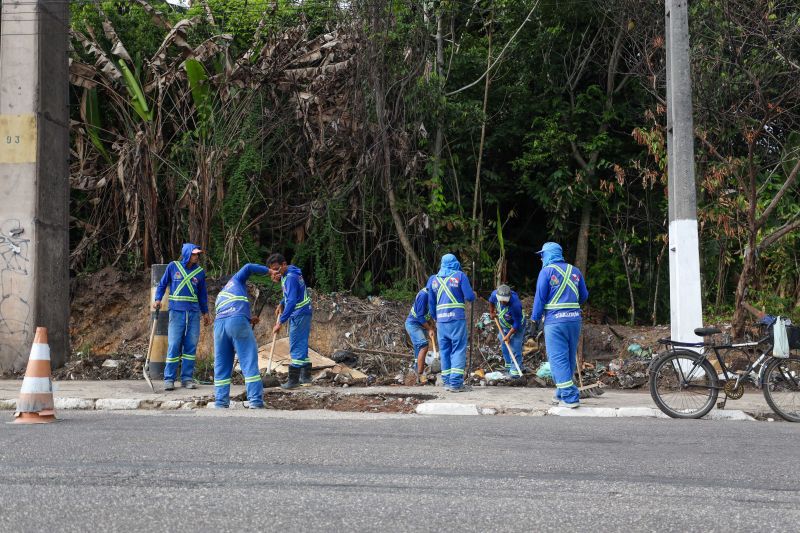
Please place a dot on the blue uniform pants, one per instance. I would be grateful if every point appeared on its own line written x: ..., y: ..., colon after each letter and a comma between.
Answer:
x: 299, y: 329
x: 182, y: 337
x: 452, y: 337
x: 231, y: 335
x: 419, y: 338
x: 517, y: 341
x: 561, y: 340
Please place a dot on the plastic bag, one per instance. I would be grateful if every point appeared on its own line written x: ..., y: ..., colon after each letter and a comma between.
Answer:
x: 544, y: 371
x: 780, y: 348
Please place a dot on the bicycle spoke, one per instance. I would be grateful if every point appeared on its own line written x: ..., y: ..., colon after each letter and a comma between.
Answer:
x: 782, y: 387
x: 683, y: 385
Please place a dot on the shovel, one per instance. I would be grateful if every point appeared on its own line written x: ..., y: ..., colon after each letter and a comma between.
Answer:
x: 146, y: 368
x: 508, y: 347
x: 268, y: 379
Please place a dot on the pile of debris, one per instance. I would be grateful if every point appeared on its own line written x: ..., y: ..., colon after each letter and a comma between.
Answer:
x: 275, y: 360
x: 121, y: 366
x: 335, y: 401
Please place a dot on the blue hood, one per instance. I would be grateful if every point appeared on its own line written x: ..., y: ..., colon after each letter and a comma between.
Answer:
x: 551, y: 253
x: 449, y: 266
x: 186, y: 253
x: 291, y: 269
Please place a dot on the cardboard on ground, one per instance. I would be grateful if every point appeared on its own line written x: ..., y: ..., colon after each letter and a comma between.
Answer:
x: 281, y: 358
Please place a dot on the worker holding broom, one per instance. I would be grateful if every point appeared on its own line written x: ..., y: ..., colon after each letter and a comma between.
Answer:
x: 295, y: 308
x: 560, y: 292
x: 419, y: 325
x: 188, y: 298
x: 506, y: 307
x: 448, y: 290
x: 233, y: 333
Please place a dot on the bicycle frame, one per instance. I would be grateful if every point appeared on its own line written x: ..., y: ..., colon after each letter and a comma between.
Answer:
x: 719, y: 351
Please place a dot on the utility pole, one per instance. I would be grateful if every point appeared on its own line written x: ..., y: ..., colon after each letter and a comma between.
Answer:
x: 686, y: 310
x: 34, y: 178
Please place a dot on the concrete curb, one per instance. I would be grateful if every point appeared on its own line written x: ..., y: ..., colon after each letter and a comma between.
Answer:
x: 426, y: 408
x: 442, y: 408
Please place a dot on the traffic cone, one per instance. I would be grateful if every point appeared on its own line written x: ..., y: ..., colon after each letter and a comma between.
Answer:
x: 35, y: 405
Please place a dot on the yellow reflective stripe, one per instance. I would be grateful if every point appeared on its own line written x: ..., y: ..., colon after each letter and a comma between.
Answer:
x: 182, y: 298
x: 501, y: 315
x: 446, y: 372
x: 443, y: 287
x: 173, y: 359
x: 300, y: 361
x: 450, y: 306
x: 252, y: 379
x: 457, y: 371
x: 564, y: 385
x: 563, y: 286
x: 222, y: 382
x: 189, y: 357
x: 302, y: 303
x: 187, y: 278
x: 227, y: 298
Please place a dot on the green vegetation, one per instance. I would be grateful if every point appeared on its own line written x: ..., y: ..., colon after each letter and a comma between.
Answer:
x: 366, y: 139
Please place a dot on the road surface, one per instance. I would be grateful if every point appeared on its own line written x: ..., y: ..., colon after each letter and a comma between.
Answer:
x: 227, y: 471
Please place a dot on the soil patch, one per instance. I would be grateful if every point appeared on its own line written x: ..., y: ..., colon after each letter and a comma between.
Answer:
x: 335, y: 401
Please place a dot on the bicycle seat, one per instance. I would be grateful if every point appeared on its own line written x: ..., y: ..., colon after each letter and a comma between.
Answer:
x: 706, y: 332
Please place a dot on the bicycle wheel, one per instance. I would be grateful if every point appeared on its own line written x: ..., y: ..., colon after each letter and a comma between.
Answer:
x: 680, y: 389
x: 781, y: 386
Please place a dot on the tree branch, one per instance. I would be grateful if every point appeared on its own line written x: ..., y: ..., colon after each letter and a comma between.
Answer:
x: 788, y: 184
x: 779, y: 233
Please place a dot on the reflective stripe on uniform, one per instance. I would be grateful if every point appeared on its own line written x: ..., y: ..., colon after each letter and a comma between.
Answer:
x: 457, y: 371
x: 300, y: 361
x: 227, y: 298
x: 565, y: 385
x: 222, y: 382
x: 565, y: 282
x: 252, y: 379
x: 186, y: 282
x: 173, y: 359
x: 189, y: 357
x: 443, y: 288
x: 302, y: 303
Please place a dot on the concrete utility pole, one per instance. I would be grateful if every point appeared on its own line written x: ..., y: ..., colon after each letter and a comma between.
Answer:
x: 34, y: 178
x: 686, y: 309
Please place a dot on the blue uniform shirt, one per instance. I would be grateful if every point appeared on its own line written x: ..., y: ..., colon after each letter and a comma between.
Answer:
x: 419, y: 311
x: 509, y: 314
x: 187, y: 285
x: 447, y: 295
x: 232, y: 299
x: 560, y: 292
x: 296, y: 301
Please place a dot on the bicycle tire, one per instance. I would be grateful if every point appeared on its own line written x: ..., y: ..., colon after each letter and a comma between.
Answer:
x: 675, y: 356
x: 773, y: 365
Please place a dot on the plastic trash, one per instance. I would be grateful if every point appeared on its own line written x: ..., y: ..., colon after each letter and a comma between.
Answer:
x: 781, y: 345
x: 544, y: 371
x: 494, y: 376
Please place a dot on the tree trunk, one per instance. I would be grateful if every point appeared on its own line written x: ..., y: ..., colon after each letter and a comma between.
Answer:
x: 748, y: 271
x: 582, y: 250
x: 439, y: 139
x: 480, y: 147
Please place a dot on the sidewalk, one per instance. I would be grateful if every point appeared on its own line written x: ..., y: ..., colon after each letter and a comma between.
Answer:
x: 135, y: 394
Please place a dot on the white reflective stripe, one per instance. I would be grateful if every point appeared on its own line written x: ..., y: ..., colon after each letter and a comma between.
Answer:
x: 36, y: 385
x: 40, y: 352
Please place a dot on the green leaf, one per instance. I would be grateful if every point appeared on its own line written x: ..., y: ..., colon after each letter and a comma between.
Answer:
x: 93, y: 121
x: 138, y: 100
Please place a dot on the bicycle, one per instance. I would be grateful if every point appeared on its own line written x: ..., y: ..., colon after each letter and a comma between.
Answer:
x: 684, y: 383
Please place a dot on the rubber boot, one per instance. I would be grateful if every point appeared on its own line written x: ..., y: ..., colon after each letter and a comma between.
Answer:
x: 294, y: 379
x: 305, y: 375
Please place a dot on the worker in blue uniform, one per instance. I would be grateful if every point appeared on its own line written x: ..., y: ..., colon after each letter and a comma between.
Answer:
x: 448, y: 290
x: 506, y: 307
x: 419, y: 325
x: 560, y: 292
x: 188, y: 299
x: 295, y: 308
x: 233, y: 332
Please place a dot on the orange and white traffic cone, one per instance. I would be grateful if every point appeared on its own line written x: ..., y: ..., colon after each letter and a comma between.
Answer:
x: 35, y: 404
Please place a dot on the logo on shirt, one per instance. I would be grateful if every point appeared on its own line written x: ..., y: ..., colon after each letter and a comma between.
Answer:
x: 554, y: 281
x: 177, y: 276
x: 195, y: 281
x: 227, y: 286
x: 575, y: 278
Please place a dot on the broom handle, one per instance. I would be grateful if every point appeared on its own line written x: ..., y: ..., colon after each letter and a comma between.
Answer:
x: 508, y: 347
x: 272, y: 350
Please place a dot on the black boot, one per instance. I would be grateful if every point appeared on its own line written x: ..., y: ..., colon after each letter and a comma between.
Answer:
x: 294, y: 378
x: 305, y: 375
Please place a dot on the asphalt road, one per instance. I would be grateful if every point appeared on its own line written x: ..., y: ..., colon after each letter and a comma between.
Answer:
x: 210, y: 471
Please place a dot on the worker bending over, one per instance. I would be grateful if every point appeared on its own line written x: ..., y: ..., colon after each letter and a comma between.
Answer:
x: 187, y: 300
x: 448, y: 290
x: 418, y: 325
x: 295, y: 308
x: 506, y: 307
x: 560, y: 292
x: 233, y: 333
